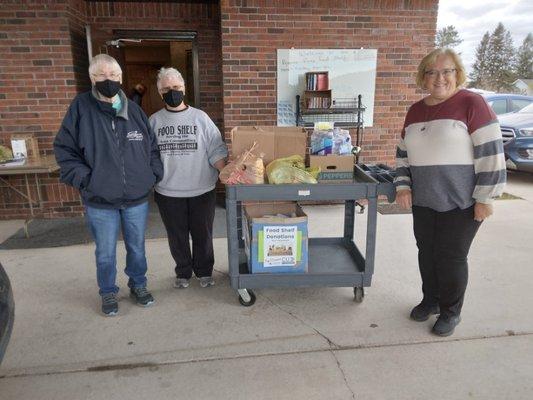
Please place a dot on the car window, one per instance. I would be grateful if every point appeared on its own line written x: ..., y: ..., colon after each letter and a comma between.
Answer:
x: 499, y: 106
x: 527, y: 109
x: 518, y: 104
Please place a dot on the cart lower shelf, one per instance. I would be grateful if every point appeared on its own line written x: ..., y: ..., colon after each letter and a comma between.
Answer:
x: 333, y: 262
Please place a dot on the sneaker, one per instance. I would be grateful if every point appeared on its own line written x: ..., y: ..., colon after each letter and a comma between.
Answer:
x: 206, y: 281
x: 181, y: 283
x: 422, y: 312
x: 445, y: 325
x: 109, y: 304
x: 142, y: 296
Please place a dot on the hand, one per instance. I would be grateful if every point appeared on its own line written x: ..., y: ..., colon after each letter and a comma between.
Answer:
x: 404, y: 198
x: 482, y: 211
x: 220, y: 164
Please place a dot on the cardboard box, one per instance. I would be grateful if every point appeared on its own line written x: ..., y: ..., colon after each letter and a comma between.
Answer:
x: 273, y: 141
x: 334, y: 168
x: 275, y: 244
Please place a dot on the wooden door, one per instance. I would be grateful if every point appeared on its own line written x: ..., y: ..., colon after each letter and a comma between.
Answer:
x: 147, y: 75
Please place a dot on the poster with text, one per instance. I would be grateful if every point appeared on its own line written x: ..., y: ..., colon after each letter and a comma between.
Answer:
x: 279, y: 245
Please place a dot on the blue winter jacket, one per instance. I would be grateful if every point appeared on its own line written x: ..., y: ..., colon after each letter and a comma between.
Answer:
x: 112, y: 158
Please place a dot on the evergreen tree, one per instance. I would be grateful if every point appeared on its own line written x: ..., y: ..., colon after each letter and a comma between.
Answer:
x: 500, y: 60
x: 524, y: 62
x: 447, y: 37
x: 479, y: 75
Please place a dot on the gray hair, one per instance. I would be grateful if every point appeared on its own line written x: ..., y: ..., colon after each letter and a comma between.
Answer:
x: 168, y: 73
x: 102, y: 59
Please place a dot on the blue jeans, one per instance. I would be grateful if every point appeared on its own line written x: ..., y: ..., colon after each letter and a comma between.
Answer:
x: 105, y: 225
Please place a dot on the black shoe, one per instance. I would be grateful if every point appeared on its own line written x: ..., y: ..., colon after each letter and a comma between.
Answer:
x: 109, y: 304
x: 422, y: 312
x: 142, y: 296
x: 445, y: 325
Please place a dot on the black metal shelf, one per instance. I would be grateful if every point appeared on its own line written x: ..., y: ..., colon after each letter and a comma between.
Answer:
x: 345, y: 113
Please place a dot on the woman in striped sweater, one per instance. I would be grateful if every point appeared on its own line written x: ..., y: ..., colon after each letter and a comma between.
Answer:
x: 450, y: 167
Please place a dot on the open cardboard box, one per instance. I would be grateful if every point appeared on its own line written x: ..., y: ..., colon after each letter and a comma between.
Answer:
x: 273, y: 141
x: 275, y: 236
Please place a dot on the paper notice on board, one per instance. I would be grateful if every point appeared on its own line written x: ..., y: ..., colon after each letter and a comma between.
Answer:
x: 280, y: 245
x: 18, y: 146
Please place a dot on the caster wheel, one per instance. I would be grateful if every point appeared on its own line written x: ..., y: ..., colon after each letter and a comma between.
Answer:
x: 358, y: 294
x: 247, y: 302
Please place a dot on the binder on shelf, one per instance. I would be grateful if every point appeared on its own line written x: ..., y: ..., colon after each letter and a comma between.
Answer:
x: 322, y: 82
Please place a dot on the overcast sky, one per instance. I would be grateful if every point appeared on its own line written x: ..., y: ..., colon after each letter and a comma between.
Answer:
x: 472, y: 18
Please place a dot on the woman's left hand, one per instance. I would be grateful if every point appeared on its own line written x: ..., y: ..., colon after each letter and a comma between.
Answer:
x: 482, y: 211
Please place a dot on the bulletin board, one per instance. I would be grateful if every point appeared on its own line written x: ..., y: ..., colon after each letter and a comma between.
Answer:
x: 351, y: 72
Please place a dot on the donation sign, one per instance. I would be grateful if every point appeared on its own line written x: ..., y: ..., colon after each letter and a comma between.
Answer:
x: 280, y: 245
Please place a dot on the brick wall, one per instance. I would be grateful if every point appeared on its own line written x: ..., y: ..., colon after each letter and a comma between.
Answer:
x: 252, y: 31
x: 202, y: 18
x: 44, y: 65
x: 38, y: 82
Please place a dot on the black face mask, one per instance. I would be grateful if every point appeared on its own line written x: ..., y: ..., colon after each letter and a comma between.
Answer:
x: 173, y: 98
x: 108, y: 88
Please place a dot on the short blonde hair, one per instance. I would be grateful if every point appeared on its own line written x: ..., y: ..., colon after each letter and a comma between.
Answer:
x: 101, y: 59
x: 431, y: 58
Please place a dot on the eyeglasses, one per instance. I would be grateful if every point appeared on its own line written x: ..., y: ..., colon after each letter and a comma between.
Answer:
x: 113, y: 76
x: 433, y: 73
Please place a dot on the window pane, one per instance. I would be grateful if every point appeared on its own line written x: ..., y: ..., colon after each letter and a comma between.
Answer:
x: 519, y: 104
x: 499, y: 106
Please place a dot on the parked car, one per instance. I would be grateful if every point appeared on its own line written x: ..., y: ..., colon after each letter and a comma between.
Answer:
x: 7, y: 311
x: 517, y: 134
x: 503, y: 103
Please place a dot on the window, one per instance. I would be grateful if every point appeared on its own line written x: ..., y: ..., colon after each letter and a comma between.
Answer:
x: 518, y: 104
x: 499, y: 106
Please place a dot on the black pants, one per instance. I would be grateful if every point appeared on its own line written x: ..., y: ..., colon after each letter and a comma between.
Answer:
x: 194, y: 215
x: 443, y: 240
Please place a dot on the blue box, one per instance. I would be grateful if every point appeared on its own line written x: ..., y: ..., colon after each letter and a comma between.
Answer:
x: 275, y: 236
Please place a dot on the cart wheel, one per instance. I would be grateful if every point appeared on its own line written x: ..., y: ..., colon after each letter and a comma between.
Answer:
x: 246, y: 297
x: 359, y: 294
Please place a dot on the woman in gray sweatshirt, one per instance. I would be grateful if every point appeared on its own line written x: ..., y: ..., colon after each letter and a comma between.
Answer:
x: 193, y: 153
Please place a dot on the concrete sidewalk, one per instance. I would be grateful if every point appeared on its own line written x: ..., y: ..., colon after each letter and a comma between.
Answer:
x: 293, y: 343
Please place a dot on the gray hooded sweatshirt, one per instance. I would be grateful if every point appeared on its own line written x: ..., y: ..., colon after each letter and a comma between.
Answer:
x: 190, y: 144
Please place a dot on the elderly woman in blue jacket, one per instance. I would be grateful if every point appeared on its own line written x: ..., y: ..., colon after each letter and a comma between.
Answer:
x: 106, y: 149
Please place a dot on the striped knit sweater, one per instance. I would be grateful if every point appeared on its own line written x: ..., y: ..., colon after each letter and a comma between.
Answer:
x: 451, y: 154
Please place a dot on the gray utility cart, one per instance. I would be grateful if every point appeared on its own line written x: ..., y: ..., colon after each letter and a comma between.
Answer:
x: 335, y: 262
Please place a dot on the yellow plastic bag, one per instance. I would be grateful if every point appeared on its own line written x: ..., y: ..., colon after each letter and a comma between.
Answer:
x: 290, y: 170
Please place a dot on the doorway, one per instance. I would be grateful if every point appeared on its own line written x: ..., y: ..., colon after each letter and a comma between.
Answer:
x: 143, y: 60
x: 141, y: 55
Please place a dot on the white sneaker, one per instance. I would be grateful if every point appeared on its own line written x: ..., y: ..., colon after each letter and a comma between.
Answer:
x: 181, y: 283
x: 206, y: 281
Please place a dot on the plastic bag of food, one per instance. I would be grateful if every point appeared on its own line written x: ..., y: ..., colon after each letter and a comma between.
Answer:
x: 5, y: 153
x: 290, y: 170
x: 247, y: 168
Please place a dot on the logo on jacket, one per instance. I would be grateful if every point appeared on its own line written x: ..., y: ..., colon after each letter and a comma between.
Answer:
x: 134, y: 135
